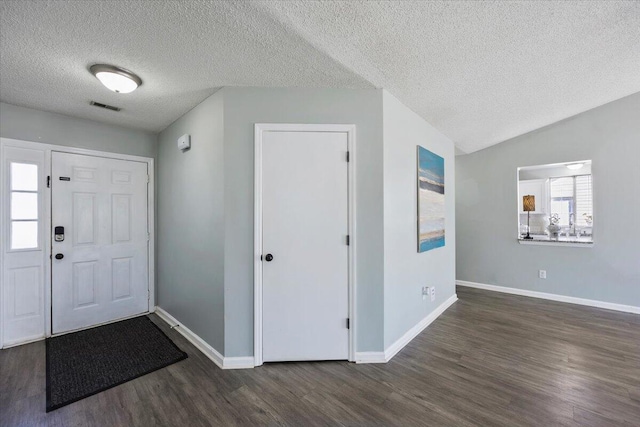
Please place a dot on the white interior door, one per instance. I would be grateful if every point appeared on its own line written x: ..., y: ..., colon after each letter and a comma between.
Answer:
x: 100, y: 267
x: 305, y: 253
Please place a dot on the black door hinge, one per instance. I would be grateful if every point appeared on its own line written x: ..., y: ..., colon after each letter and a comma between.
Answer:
x: 348, y: 240
x: 49, y: 181
x: 348, y: 323
x: 347, y: 156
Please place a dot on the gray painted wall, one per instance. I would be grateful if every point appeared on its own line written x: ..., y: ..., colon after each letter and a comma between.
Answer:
x: 41, y: 126
x: 243, y: 108
x: 405, y: 270
x: 190, y: 218
x: 486, y: 209
x: 210, y: 258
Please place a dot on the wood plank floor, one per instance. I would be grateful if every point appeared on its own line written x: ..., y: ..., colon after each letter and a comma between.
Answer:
x: 490, y: 359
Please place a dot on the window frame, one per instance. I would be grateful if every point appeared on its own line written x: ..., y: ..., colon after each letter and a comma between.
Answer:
x: 545, y: 172
x: 9, y: 208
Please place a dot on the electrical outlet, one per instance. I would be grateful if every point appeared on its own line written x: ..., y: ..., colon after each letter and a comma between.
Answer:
x: 425, y: 292
x: 433, y: 293
x: 542, y: 274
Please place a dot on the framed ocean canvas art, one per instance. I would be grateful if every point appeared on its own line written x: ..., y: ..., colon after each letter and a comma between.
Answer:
x: 430, y: 200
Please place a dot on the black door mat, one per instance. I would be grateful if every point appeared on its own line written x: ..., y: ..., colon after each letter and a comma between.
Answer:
x: 84, y: 363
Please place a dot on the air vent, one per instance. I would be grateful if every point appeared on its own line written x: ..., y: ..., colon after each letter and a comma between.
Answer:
x: 108, y: 107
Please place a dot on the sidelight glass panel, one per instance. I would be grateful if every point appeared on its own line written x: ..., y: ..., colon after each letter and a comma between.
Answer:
x: 24, y: 177
x: 24, y: 205
x: 24, y: 234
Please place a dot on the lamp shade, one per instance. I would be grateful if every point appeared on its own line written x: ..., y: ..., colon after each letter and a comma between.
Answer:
x: 529, y: 203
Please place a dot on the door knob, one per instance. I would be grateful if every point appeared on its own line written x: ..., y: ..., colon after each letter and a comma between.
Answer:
x: 59, y: 256
x: 269, y: 257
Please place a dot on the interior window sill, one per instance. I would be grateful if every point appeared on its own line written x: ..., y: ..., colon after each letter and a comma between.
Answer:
x: 580, y: 242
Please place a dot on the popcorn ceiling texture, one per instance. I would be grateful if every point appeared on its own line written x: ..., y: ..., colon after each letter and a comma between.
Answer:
x: 183, y: 51
x: 480, y: 72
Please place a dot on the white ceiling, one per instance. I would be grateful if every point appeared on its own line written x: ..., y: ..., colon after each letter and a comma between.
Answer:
x: 183, y: 51
x: 480, y: 72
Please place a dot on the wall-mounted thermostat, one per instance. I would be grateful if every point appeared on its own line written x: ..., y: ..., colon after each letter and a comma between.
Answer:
x: 184, y: 142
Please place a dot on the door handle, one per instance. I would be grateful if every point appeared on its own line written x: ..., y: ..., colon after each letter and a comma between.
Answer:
x: 268, y: 258
x: 59, y: 256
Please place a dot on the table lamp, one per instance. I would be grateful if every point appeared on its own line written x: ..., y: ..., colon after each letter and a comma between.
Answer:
x: 529, y: 205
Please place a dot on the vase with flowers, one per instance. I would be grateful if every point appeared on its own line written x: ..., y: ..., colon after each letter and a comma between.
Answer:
x: 553, y: 227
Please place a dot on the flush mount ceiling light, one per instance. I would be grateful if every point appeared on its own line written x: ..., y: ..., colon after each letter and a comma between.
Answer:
x: 574, y: 166
x: 116, y: 79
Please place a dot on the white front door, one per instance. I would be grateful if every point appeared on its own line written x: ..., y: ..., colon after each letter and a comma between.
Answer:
x: 304, y: 246
x: 100, y: 259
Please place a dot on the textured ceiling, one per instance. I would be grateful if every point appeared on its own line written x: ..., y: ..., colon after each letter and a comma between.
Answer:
x: 183, y: 51
x: 480, y: 72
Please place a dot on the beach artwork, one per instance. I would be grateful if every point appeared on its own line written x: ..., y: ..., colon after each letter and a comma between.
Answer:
x: 430, y: 200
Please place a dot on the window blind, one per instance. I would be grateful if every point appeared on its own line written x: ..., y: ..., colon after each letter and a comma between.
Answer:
x: 561, y: 199
x: 572, y: 195
x: 584, y: 200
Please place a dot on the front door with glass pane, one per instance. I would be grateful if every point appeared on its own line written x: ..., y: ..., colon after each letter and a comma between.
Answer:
x: 23, y: 312
x: 99, y: 240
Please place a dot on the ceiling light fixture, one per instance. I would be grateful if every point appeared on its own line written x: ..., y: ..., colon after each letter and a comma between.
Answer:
x: 116, y: 79
x: 574, y: 166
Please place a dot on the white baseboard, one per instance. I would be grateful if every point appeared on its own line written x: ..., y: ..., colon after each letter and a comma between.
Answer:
x: 206, y: 349
x: 552, y: 297
x: 370, y: 357
x: 361, y: 357
x: 22, y: 341
x: 238, y: 362
x: 405, y: 339
x: 194, y: 339
x: 393, y: 349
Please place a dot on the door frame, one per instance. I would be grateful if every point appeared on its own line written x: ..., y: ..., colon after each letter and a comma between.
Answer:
x: 260, y: 129
x: 48, y: 149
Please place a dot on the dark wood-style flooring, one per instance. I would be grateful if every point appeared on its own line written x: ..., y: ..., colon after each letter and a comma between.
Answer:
x: 490, y: 359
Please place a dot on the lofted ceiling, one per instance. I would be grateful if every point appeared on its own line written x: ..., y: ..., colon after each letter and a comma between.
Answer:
x: 480, y: 72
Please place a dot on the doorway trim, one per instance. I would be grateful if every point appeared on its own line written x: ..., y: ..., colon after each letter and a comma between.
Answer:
x: 48, y: 149
x: 260, y: 129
